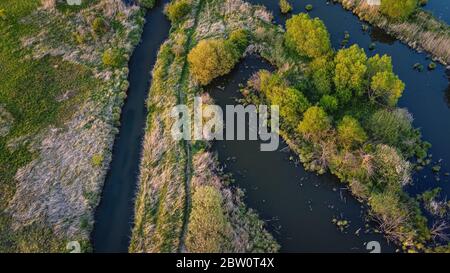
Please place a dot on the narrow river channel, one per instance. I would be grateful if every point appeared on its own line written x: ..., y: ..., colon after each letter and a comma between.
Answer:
x: 114, y: 216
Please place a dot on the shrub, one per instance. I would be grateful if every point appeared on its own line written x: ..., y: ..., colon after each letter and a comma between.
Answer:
x: 390, y: 127
x: 239, y: 41
x: 308, y: 37
x: 216, y: 57
x: 113, y: 58
x: 207, y: 223
x: 315, y: 123
x: 350, y: 133
x: 390, y: 169
x: 97, y: 160
x: 329, y: 103
x: 99, y: 25
x: 398, y: 9
x: 177, y: 10
x: 285, y: 6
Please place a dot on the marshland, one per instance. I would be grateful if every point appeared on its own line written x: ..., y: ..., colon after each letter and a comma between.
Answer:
x: 86, y: 152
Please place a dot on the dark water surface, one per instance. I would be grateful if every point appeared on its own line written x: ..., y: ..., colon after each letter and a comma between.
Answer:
x: 440, y: 9
x: 114, y: 216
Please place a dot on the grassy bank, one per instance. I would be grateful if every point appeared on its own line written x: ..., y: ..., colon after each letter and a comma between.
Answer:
x: 60, y: 104
x: 420, y: 31
x: 184, y: 202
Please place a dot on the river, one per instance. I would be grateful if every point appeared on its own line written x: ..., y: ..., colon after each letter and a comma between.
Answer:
x: 440, y: 9
x: 114, y: 215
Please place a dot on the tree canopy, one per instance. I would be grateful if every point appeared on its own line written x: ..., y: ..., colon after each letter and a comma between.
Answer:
x: 377, y: 64
x: 315, y: 123
x: 177, y: 10
x: 350, y: 74
x: 308, y: 37
x: 322, y: 69
x: 350, y: 132
x: 216, y: 57
x: 387, y: 87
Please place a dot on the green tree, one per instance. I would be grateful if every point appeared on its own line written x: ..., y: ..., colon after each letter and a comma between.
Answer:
x: 350, y: 73
x: 398, y: 9
x: 322, y: 74
x: 350, y: 133
x: 387, y: 87
x: 210, y: 59
x: 292, y: 104
x: 177, y: 10
x: 308, y: 37
x: 315, y: 124
x: 377, y: 64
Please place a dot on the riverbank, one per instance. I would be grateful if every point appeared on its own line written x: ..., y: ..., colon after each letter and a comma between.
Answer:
x: 65, y: 83
x: 421, y: 31
x: 184, y: 202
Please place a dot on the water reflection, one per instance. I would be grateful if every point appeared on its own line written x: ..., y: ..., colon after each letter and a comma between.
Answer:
x: 379, y: 35
x: 447, y: 96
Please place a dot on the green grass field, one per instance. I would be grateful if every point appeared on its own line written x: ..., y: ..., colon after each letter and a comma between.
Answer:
x: 28, y: 91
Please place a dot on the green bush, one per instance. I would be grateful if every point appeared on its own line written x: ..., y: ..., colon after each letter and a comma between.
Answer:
x: 387, y: 88
x: 315, y: 124
x: 113, y: 58
x: 99, y: 25
x: 398, y: 9
x: 322, y: 69
x: 285, y: 6
x: 390, y: 127
x: 350, y: 133
x: 329, y: 103
x: 306, y: 36
x: 212, y: 58
x: 177, y: 10
x: 97, y: 160
x: 239, y: 41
